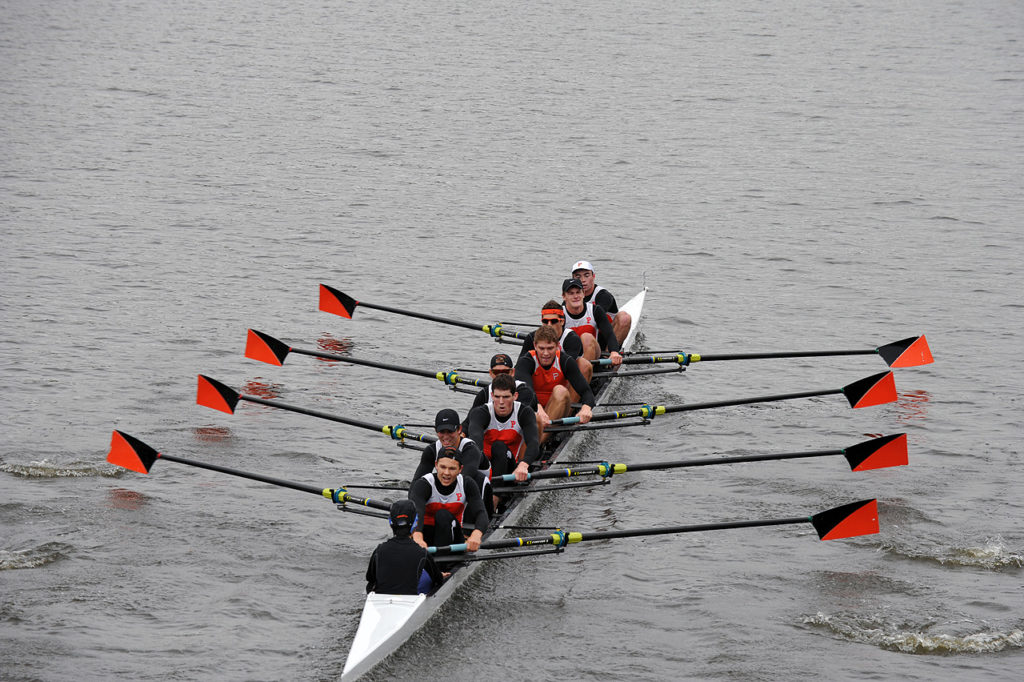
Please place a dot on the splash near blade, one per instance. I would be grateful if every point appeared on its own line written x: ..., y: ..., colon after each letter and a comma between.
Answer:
x: 213, y: 394
x: 334, y: 301
x: 876, y: 389
x: 265, y: 348
x: 910, y: 352
x: 878, y: 453
x: 847, y: 521
x: 131, y: 453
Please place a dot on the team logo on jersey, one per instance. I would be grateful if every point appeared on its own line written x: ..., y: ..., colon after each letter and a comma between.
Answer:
x: 458, y: 497
x: 588, y: 319
x: 554, y: 375
x: 513, y: 422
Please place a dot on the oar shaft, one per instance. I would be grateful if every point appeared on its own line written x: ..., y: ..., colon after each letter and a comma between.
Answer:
x: 700, y: 357
x: 390, y: 430
x: 747, y: 401
x: 685, y: 463
x: 422, y: 316
x: 245, y: 474
x: 367, y: 363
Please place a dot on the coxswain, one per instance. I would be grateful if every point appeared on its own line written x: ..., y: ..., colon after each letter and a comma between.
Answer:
x: 506, y: 430
x: 592, y: 291
x: 551, y: 373
x: 590, y: 321
x: 450, y: 435
x: 501, y: 363
x: 446, y: 503
x: 399, y: 565
x: 552, y: 313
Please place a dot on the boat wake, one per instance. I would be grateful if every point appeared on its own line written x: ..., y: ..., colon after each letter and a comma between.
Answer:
x: 34, y: 557
x: 925, y: 640
x: 992, y: 555
x: 46, y: 469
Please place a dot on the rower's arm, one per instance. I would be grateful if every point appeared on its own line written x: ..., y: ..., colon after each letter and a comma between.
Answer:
x: 524, y: 369
x: 578, y: 382
x: 419, y: 493
x: 605, y: 330
x: 426, y: 464
x: 476, y: 422
x: 531, y: 439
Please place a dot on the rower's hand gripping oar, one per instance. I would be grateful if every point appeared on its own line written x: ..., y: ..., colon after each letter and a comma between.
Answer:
x: 847, y: 521
x: 265, y: 348
x: 131, y: 453
x: 215, y: 395
x: 876, y: 389
x: 877, y: 453
x: 339, y: 303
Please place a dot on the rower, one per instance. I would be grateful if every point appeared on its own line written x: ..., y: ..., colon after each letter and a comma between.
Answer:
x: 620, y: 319
x: 553, y: 314
x: 399, y: 565
x: 444, y: 501
x: 551, y: 374
x: 450, y: 435
x: 506, y: 430
x: 502, y: 364
x: 590, y: 321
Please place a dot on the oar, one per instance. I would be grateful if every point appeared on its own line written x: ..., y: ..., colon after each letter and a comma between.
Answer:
x: 131, y: 453
x: 339, y: 303
x: 873, y: 390
x: 847, y: 521
x: 215, y: 395
x: 877, y: 453
x: 265, y: 348
x: 909, y: 352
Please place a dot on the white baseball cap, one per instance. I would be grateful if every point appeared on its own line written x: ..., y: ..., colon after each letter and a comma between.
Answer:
x: 582, y: 265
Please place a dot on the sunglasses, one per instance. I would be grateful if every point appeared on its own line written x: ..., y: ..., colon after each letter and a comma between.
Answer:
x: 550, y: 320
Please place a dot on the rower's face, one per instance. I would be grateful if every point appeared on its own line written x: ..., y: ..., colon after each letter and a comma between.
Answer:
x: 586, y: 277
x: 546, y: 353
x: 554, y: 321
x: 503, y: 402
x: 447, y: 469
x: 573, y: 299
x: 450, y: 439
x: 500, y: 369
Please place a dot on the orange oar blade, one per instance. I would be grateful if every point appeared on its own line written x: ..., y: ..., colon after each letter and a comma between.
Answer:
x: 131, y: 453
x: 878, y: 453
x: 876, y: 389
x: 910, y: 352
x: 334, y: 301
x: 216, y: 395
x: 265, y: 348
x: 850, y: 520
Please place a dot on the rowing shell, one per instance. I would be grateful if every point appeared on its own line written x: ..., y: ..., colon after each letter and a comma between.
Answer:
x: 388, y: 620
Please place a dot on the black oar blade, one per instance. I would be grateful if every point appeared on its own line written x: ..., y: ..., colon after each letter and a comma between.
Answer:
x: 131, y: 453
x: 215, y: 395
x: 847, y: 521
x: 265, y: 348
x: 334, y: 301
x: 910, y: 352
x: 876, y: 389
x: 878, y: 453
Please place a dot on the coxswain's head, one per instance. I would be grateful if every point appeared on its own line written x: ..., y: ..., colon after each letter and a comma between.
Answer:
x: 501, y: 364
x: 448, y: 428
x: 572, y: 295
x: 402, y: 517
x: 448, y: 465
x: 503, y: 394
x: 545, y: 342
x: 551, y: 314
x: 584, y: 272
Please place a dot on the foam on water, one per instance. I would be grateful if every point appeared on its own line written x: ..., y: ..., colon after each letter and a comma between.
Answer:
x: 967, y: 638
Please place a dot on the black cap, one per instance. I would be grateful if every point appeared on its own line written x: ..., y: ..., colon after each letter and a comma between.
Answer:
x: 446, y: 420
x: 403, y: 514
x: 452, y: 453
x: 570, y: 283
x: 501, y: 359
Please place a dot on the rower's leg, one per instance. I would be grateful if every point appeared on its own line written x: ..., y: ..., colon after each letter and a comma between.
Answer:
x: 587, y: 368
x: 557, y: 407
x: 447, y: 530
x: 502, y: 462
x: 621, y: 324
x: 591, y: 348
